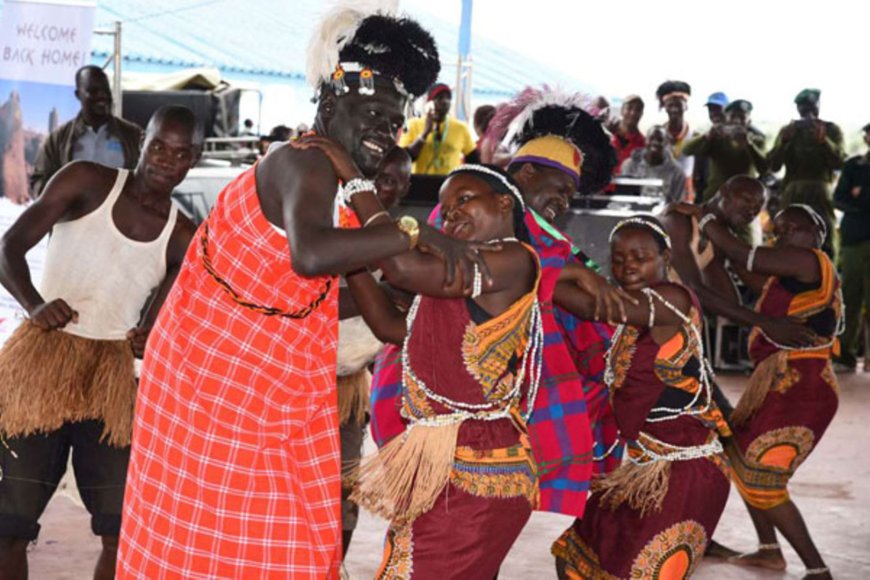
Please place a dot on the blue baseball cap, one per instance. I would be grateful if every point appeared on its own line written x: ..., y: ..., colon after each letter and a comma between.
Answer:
x: 720, y: 99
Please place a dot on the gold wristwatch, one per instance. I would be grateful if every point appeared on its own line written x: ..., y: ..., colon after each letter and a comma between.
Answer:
x: 408, y: 225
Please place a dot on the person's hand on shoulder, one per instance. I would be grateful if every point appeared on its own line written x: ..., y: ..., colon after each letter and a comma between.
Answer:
x: 609, y: 299
x: 458, y: 256
x: 344, y: 166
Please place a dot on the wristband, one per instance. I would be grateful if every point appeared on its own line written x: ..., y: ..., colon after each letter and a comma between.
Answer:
x: 381, y: 213
x: 705, y: 220
x: 354, y: 186
x: 750, y: 259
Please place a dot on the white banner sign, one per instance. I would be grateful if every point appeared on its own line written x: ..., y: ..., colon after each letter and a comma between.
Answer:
x: 45, y: 41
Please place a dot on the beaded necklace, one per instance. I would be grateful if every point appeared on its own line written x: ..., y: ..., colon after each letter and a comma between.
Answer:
x: 532, y: 363
x: 679, y: 453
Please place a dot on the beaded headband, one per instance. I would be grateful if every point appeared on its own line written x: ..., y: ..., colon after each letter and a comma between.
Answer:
x: 475, y: 168
x: 814, y: 215
x: 636, y: 221
x: 338, y: 81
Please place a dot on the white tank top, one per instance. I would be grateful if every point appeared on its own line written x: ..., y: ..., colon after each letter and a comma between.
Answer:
x: 101, y: 273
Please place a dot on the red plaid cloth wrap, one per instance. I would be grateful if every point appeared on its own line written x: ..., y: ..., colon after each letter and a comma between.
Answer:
x: 234, y: 470
x: 559, y: 429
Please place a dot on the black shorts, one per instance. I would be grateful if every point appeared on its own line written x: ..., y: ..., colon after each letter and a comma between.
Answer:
x: 29, y: 481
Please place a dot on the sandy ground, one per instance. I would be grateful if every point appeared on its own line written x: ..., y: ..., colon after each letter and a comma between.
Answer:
x: 832, y: 490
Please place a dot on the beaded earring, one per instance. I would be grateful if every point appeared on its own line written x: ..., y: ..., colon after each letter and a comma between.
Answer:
x: 338, y: 82
x: 366, y: 82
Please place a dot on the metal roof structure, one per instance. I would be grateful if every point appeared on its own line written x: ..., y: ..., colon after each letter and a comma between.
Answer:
x: 268, y: 38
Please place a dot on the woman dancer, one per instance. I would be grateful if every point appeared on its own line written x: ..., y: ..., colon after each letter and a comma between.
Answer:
x: 654, y: 515
x: 792, y: 395
x: 460, y: 483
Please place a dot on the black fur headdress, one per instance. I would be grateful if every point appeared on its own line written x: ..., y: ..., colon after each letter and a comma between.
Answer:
x: 355, y: 41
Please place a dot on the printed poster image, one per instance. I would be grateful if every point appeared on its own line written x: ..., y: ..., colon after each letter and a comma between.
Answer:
x: 42, y: 45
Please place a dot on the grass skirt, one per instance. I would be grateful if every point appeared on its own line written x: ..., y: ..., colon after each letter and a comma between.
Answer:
x: 48, y: 378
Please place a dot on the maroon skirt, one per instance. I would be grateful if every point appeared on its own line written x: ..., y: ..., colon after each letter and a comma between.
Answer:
x: 668, y: 543
x: 462, y: 536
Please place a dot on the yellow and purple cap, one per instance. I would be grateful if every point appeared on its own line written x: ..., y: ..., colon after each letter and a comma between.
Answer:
x: 552, y: 151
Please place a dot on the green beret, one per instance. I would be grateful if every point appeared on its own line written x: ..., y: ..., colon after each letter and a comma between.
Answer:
x: 809, y: 96
x: 739, y: 105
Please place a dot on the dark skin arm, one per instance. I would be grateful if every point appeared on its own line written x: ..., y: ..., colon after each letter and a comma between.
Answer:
x: 71, y: 193
x: 570, y: 297
x: 678, y: 226
x: 377, y: 309
x: 792, y: 262
x: 607, y: 300
x: 513, y: 272
x: 46, y: 164
x: 683, y: 260
x: 753, y: 280
x: 181, y: 237
x: 347, y: 307
x: 306, y: 176
x: 421, y: 273
x: 297, y: 189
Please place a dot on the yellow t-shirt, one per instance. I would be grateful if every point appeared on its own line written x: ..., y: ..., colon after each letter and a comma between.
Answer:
x: 454, y: 146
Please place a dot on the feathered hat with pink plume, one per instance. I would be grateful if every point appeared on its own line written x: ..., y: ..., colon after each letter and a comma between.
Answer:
x: 556, y: 129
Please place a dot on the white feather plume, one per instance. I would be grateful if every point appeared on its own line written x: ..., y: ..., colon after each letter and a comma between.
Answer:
x: 511, y: 117
x: 335, y: 29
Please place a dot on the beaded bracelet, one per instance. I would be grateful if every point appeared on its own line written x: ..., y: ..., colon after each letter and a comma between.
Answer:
x: 652, y: 309
x: 477, y: 286
x: 750, y: 259
x: 705, y: 220
x: 354, y: 186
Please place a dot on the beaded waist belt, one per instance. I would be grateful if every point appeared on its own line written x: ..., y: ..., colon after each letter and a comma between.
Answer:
x: 647, y: 449
x: 265, y: 310
x: 460, y: 416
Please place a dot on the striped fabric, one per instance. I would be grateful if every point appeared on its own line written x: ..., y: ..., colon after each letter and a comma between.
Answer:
x: 559, y: 429
x: 234, y: 471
